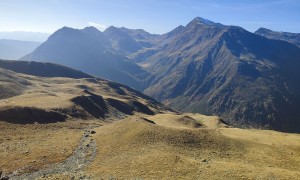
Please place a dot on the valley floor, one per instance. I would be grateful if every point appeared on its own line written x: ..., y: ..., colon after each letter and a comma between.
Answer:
x: 163, y: 146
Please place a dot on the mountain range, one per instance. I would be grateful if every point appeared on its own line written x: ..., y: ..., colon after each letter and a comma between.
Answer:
x: 246, y: 79
x: 15, y: 49
x: 24, y: 36
x: 284, y: 36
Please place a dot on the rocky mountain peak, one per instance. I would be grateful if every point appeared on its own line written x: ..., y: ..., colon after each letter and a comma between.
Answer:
x: 91, y: 29
x: 202, y: 22
x: 263, y: 30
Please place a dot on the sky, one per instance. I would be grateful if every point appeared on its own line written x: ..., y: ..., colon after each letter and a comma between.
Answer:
x: 154, y: 16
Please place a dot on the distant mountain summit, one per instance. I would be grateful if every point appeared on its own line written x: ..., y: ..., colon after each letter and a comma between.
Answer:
x: 284, y: 36
x: 127, y: 41
x: 201, y: 21
x: 89, y: 50
x: 121, y: 41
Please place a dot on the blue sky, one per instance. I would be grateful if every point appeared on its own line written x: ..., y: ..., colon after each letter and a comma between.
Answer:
x: 155, y: 16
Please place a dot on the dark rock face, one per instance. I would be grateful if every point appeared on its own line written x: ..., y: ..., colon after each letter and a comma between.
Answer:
x: 248, y: 80
x: 93, y: 104
x: 293, y: 38
x: 139, y: 107
x: 129, y: 107
x: 30, y: 115
x: 121, y: 106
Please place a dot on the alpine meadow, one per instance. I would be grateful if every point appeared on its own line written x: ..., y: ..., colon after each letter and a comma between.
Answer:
x: 149, y: 89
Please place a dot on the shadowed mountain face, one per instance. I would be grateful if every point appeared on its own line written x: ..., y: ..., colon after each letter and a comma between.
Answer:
x: 13, y: 49
x: 126, y: 41
x: 284, y: 36
x: 89, y: 50
x: 214, y: 69
x: 121, y: 41
x: 42, y: 69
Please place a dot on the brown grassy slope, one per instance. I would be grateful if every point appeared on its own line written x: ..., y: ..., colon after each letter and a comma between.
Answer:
x: 147, y: 147
x: 30, y: 147
x: 88, y: 98
x: 136, y: 148
x: 26, y: 99
x: 10, y: 85
x: 187, y: 121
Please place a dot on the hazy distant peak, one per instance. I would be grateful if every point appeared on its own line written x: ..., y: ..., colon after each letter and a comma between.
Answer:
x: 135, y: 30
x: 113, y: 30
x: 66, y: 28
x: 72, y: 31
x: 91, y: 29
x: 203, y: 22
x: 110, y: 28
x: 284, y: 36
x: 200, y: 20
x: 125, y: 29
x: 64, y: 31
x: 263, y: 30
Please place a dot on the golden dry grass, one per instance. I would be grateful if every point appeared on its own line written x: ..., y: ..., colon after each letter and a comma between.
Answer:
x: 56, y: 92
x: 134, y: 148
x: 186, y: 120
x: 31, y: 147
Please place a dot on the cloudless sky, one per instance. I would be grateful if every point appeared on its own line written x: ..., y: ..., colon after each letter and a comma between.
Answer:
x: 155, y: 16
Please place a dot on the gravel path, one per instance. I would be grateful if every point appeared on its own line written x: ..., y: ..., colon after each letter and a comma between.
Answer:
x: 73, y: 166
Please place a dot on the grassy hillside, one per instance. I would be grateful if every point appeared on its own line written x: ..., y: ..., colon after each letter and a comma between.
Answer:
x: 89, y: 128
x: 58, y: 99
x: 152, y: 147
